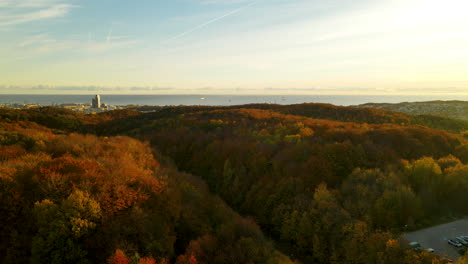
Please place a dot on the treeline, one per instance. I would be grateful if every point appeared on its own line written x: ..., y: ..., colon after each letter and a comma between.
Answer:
x: 326, y: 191
x: 332, y: 112
x: 63, y: 119
x: 368, y: 115
x: 70, y: 198
x: 453, y: 109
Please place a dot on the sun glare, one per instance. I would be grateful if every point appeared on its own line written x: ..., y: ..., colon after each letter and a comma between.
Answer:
x: 437, y: 12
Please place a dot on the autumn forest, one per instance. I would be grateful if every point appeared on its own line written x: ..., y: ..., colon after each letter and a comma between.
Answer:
x: 260, y: 183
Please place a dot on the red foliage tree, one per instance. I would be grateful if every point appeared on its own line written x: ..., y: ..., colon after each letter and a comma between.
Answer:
x: 118, y: 257
x: 184, y: 259
x: 147, y: 260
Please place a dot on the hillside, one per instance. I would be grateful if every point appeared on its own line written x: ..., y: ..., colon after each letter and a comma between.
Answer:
x: 330, y: 112
x: 451, y: 109
x: 321, y: 189
x: 72, y: 198
x: 278, y: 168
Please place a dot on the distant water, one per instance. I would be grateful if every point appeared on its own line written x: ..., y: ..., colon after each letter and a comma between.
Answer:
x: 162, y: 100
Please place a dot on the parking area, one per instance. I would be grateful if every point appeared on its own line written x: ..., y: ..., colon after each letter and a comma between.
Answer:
x: 436, y: 237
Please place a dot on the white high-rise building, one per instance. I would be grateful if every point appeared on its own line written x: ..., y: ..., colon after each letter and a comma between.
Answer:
x: 96, y: 102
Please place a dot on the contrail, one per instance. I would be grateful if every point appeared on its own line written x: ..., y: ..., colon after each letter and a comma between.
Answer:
x: 210, y: 22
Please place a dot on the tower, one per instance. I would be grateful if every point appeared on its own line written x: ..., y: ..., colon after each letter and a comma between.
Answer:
x: 96, y: 102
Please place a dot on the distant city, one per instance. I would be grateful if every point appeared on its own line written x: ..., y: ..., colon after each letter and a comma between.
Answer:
x: 96, y: 106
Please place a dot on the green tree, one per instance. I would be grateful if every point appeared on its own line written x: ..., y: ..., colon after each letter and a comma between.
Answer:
x: 397, y: 208
x: 61, y: 228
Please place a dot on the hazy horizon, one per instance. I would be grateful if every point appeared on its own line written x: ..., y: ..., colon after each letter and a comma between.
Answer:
x: 91, y: 90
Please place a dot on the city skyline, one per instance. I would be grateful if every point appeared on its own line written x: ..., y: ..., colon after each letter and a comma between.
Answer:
x: 233, y: 46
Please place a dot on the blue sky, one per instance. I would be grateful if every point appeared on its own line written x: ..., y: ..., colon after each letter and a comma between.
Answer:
x: 234, y: 46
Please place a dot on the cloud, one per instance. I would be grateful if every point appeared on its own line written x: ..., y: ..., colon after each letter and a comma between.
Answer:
x: 35, y: 40
x: 86, y: 88
x: 150, y: 89
x: 43, y: 43
x: 21, y: 12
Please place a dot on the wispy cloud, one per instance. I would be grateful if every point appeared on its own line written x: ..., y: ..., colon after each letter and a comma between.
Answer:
x: 14, y: 12
x: 43, y: 45
x: 52, y: 45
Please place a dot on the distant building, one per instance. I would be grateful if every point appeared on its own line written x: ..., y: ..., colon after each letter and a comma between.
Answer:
x: 96, y: 102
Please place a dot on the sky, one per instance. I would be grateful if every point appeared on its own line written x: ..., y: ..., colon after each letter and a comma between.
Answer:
x: 234, y: 46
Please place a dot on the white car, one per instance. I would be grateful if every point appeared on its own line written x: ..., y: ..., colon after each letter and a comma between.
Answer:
x: 454, y: 243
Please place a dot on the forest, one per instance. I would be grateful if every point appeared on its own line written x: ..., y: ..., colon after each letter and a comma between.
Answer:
x: 310, y: 183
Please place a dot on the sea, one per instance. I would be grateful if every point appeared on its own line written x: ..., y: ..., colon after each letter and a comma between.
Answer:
x: 220, y: 100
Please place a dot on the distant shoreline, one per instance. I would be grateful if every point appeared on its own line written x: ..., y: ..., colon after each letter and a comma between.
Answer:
x: 220, y: 100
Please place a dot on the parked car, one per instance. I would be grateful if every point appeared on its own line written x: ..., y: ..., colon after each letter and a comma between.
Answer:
x: 454, y: 243
x: 461, y: 240
x: 415, y: 246
x: 430, y: 250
